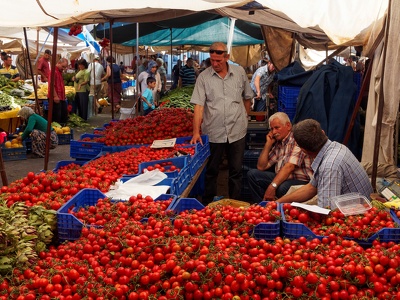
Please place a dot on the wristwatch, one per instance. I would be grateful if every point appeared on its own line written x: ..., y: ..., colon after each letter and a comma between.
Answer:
x: 274, y: 185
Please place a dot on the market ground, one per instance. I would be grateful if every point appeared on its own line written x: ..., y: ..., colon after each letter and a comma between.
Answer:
x: 19, y: 169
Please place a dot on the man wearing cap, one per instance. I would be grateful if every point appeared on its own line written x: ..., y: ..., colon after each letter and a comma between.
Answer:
x: 222, y: 101
x: 43, y: 66
x: 96, y: 72
x: 8, y: 70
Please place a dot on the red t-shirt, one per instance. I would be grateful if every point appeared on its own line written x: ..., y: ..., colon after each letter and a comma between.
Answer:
x: 58, y: 85
x: 44, y: 67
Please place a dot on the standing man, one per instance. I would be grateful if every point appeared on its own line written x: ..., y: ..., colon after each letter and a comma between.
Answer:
x: 336, y: 170
x: 222, y: 99
x: 187, y: 74
x: 43, y: 66
x: 60, y: 107
x: 96, y: 72
x: 8, y: 70
x: 291, y: 165
x: 260, y: 83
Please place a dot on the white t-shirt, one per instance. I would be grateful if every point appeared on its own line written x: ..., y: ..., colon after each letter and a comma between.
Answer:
x: 96, y: 71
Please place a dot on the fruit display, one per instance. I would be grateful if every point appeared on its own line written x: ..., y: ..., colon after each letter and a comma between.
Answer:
x: 160, y: 124
x: 173, y: 248
x: 14, y: 143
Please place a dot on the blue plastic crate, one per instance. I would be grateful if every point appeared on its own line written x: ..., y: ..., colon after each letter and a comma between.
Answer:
x: 296, y: 230
x: 182, y: 181
x: 183, y: 204
x: 199, y: 186
x: 63, y: 163
x: 65, y: 139
x: 202, y: 152
x: 250, y: 159
x: 266, y: 231
x: 10, y: 154
x: 179, y: 162
x: 69, y: 227
x: 99, y: 130
x: 85, y: 150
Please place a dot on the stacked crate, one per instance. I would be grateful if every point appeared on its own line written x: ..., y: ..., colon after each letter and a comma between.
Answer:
x: 287, y: 100
x: 249, y: 162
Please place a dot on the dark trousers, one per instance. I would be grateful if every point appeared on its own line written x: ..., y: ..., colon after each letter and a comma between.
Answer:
x: 60, y: 112
x: 260, y: 180
x: 234, y: 152
x: 82, y: 104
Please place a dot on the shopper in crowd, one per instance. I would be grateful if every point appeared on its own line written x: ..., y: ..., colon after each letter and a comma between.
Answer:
x: 43, y: 66
x: 147, y: 96
x: 204, y: 65
x: 122, y: 67
x: 96, y: 72
x: 134, y: 64
x: 36, y: 128
x: 187, y: 74
x: 3, y: 57
x: 163, y: 75
x: 261, y: 84
x: 60, y: 106
x: 8, y: 70
x: 281, y: 163
x: 175, y: 74
x: 150, y: 72
x: 221, y: 113
x: 81, y: 85
x: 114, y: 80
x: 336, y: 171
x: 143, y: 64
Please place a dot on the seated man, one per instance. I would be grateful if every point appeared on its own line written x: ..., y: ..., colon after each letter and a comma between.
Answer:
x: 336, y: 170
x: 292, y: 166
x: 8, y: 70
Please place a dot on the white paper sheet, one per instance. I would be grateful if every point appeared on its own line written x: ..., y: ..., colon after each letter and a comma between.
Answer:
x: 313, y: 208
x: 163, y: 143
x: 144, y: 184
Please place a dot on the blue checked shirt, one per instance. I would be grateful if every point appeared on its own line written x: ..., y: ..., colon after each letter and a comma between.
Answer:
x: 337, y: 172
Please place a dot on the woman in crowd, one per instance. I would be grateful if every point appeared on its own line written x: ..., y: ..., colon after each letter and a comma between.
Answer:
x: 115, y: 89
x: 36, y: 128
x: 81, y: 85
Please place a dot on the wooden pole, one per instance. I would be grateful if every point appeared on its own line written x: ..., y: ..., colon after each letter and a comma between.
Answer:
x: 2, y: 170
x: 51, y: 97
x: 112, y: 72
x: 35, y: 81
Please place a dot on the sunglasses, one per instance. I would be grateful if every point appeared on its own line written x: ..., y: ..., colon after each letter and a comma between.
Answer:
x: 219, y: 52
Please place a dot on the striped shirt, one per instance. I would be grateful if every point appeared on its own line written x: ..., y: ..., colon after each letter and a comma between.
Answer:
x: 225, y: 117
x: 10, y: 73
x: 287, y: 151
x: 188, y: 75
x: 337, y: 172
